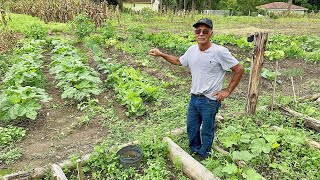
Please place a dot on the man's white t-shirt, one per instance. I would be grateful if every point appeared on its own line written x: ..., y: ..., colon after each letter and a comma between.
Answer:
x: 208, y: 68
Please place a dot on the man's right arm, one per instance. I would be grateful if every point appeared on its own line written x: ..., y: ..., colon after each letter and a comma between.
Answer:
x: 171, y: 59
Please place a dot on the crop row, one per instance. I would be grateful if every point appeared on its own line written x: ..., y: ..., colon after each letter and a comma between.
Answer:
x: 279, y: 46
x: 22, y: 86
x: 76, y: 79
x: 131, y: 87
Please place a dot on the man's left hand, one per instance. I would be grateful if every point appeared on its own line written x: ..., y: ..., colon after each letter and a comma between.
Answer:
x: 221, y: 95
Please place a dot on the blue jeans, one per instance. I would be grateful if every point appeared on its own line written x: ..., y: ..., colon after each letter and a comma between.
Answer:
x: 201, y: 110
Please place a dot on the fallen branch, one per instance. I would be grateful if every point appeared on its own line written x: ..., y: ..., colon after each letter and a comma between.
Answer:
x: 308, y: 121
x: 17, y: 175
x: 313, y: 97
x: 191, y: 167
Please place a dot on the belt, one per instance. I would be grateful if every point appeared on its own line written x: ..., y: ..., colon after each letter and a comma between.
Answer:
x: 198, y: 95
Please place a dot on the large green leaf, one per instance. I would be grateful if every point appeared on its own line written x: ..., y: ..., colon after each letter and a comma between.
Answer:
x: 250, y: 174
x: 230, y: 169
x: 259, y: 145
x: 242, y: 155
x: 31, y: 114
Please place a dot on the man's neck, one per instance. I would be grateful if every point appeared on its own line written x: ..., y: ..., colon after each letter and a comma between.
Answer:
x: 204, y: 47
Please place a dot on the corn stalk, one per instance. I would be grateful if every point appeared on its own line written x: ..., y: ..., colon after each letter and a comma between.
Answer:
x: 3, y: 14
x: 63, y: 10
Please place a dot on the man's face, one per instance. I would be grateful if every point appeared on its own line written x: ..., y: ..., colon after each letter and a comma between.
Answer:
x: 203, y: 34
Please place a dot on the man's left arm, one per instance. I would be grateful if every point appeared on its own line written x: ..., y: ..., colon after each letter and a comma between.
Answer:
x: 237, y: 74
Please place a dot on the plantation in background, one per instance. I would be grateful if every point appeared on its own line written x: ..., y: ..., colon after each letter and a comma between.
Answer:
x: 100, y: 79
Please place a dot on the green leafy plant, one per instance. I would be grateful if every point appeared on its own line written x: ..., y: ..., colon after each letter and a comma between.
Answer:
x: 108, y: 30
x: 21, y: 102
x: 11, y: 134
x: 36, y: 31
x: 9, y: 155
x: 21, y: 91
x: 82, y: 26
x: 132, y: 88
x: 75, y: 78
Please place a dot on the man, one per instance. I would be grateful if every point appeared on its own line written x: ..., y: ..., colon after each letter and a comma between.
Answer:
x: 208, y: 64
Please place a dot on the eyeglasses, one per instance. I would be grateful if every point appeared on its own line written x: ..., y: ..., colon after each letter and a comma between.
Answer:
x: 204, y: 31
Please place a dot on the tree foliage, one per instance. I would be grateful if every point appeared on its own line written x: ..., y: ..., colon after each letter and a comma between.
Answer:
x: 236, y: 6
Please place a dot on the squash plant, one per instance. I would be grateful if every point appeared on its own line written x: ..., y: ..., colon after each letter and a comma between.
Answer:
x: 21, y: 92
x: 132, y: 89
x: 77, y: 79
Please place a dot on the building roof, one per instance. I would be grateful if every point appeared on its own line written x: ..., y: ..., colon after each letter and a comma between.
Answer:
x: 138, y: 1
x: 280, y: 5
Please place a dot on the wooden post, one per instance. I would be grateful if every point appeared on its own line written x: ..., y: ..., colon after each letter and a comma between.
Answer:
x: 260, y: 40
x: 293, y: 91
x: 79, y: 168
x: 274, y: 86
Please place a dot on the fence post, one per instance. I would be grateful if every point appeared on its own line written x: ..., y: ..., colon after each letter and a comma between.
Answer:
x: 260, y: 40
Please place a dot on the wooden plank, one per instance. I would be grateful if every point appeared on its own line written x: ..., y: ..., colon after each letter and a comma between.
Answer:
x: 260, y: 40
x: 57, y: 172
x: 191, y: 167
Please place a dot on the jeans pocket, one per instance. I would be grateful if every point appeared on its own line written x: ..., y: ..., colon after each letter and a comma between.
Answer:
x: 215, y: 104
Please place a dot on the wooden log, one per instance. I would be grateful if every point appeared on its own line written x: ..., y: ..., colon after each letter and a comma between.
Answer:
x: 260, y: 40
x: 57, y: 172
x: 308, y: 121
x: 314, y: 144
x: 191, y: 167
x: 313, y: 97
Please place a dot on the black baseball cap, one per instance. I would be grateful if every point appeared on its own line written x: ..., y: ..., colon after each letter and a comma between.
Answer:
x: 204, y: 21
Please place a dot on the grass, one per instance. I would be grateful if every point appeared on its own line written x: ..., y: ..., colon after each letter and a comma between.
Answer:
x: 21, y: 22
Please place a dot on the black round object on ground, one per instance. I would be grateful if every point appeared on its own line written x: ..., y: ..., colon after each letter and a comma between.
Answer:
x: 130, y: 156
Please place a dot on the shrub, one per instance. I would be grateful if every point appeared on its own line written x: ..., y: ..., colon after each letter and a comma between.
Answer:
x: 82, y: 26
x: 36, y: 31
x: 108, y: 30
